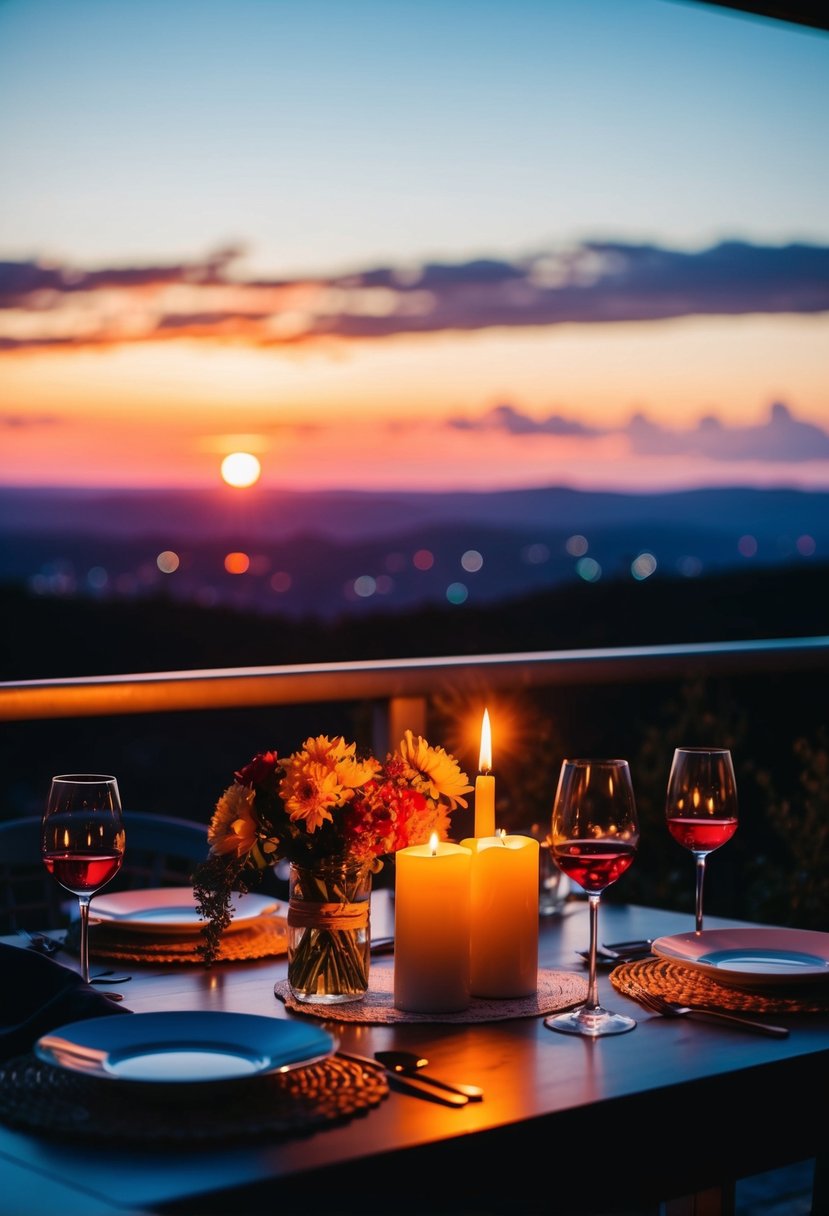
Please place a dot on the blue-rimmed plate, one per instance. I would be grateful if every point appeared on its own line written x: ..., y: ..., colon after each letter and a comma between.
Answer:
x: 184, y: 1048
x: 749, y: 958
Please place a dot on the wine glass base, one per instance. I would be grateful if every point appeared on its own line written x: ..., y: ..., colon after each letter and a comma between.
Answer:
x: 591, y: 1023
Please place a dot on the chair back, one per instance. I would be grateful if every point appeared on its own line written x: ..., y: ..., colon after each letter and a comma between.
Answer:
x: 161, y: 851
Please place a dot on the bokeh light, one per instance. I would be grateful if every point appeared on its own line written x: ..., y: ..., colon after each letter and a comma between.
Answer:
x: 237, y: 563
x: 643, y: 566
x: 576, y: 545
x: 588, y: 569
x: 168, y: 561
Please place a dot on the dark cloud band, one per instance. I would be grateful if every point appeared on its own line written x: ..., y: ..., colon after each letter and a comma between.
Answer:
x: 589, y: 284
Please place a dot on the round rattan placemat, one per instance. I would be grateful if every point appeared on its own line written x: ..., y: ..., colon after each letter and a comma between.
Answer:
x: 265, y: 938
x: 661, y: 977
x: 37, y: 1097
x: 556, y: 990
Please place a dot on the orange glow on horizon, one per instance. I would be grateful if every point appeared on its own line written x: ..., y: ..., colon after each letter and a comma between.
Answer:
x: 411, y: 413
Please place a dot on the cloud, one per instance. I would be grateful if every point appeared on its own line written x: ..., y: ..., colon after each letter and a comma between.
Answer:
x: 20, y: 422
x: 783, y: 438
x: 507, y: 418
x: 598, y: 282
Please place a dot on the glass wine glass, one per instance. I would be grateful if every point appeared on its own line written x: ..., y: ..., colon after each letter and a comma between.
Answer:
x: 82, y: 840
x: 701, y: 805
x: 595, y: 835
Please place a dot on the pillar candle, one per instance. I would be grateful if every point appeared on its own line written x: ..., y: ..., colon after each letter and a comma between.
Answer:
x: 485, y: 785
x: 431, y: 928
x: 503, y: 942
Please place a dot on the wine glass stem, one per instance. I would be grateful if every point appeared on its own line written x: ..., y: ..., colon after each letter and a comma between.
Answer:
x: 700, y: 881
x: 83, y: 901
x: 592, y: 1001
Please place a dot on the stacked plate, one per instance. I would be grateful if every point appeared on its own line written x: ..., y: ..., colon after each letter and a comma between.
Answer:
x: 163, y: 925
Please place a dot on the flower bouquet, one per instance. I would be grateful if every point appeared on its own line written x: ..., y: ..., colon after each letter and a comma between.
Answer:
x: 334, y: 816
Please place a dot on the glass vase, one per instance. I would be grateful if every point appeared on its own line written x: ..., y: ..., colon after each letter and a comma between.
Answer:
x: 329, y: 935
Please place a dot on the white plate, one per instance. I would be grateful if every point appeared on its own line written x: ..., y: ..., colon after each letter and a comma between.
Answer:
x: 171, y: 910
x: 183, y: 1048
x: 748, y: 958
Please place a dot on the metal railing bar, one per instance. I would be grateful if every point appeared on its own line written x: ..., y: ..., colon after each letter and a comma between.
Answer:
x: 388, y: 679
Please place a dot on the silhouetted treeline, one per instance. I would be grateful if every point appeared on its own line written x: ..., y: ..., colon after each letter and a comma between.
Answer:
x: 49, y: 636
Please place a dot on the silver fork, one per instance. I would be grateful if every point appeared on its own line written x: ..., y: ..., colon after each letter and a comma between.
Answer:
x: 50, y: 945
x: 41, y: 943
x: 670, y: 1009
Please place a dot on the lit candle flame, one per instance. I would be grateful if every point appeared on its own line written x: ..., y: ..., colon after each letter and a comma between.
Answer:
x: 433, y: 844
x: 502, y: 836
x: 485, y: 759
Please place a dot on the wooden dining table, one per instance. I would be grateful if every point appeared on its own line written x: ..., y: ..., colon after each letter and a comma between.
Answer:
x: 665, y: 1117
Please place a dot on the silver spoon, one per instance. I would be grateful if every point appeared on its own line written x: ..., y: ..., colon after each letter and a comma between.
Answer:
x: 409, y: 1083
x: 409, y: 1064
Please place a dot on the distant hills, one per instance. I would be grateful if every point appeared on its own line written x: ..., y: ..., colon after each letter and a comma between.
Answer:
x: 268, y: 515
x: 332, y: 553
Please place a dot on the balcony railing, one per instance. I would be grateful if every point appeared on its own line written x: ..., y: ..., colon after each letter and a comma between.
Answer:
x: 400, y: 688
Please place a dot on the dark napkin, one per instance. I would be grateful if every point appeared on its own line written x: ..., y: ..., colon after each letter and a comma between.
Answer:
x: 38, y: 994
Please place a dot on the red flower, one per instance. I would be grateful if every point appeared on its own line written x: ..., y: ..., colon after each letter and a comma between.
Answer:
x: 260, y: 771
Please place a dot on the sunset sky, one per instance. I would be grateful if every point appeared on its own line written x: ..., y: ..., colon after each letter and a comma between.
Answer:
x: 425, y: 244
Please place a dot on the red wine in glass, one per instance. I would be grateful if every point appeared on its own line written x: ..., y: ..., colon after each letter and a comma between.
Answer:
x: 82, y: 840
x: 593, y: 865
x: 701, y: 807
x: 81, y: 873
x: 593, y: 840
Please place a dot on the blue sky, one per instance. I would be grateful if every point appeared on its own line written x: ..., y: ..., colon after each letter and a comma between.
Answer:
x: 329, y: 135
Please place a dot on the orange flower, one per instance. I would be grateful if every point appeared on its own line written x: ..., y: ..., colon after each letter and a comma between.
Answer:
x: 310, y: 790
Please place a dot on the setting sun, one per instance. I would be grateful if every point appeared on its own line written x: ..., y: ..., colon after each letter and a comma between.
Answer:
x: 240, y: 469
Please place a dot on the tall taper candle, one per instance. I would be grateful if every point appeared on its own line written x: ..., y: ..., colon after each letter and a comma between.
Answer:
x: 485, y: 784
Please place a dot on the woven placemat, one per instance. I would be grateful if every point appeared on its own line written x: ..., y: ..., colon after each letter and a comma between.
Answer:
x: 556, y: 990
x: 660, y: 977
x: 265, y: 937
x: 37, y: 1097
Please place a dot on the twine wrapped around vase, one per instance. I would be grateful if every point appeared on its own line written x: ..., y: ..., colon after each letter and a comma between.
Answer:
x: 329, y: 936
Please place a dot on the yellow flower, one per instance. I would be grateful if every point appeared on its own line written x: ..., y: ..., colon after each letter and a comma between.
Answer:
x: 339, y: 757
x: 355, y: 773
x: 233, y: 827
x: 327, y: 751
x: 433, y: 771
x: 309, y: 789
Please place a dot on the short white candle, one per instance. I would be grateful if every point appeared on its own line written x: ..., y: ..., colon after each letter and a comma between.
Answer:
x: 431, y: 928
x: 503, y: 944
